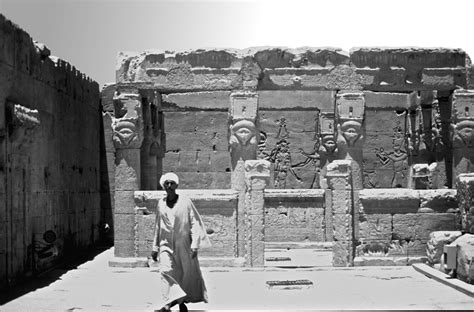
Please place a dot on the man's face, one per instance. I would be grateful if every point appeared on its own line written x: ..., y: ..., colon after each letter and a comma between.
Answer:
x: 170, y: 186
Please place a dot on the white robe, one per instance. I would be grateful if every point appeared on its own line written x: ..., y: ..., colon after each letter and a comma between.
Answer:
x: 177, y: 230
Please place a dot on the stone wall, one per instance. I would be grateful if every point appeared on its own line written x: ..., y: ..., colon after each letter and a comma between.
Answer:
x: 218, y: 209
x: 49, y: 157
x: 394, y: 225
x: 400, y: 101
x: 295, y: 216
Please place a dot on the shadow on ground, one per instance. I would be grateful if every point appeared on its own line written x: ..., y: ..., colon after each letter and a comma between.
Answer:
x: 46, y: 278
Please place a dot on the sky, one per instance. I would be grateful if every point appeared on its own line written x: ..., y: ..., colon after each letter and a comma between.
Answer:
x: 90, y: 33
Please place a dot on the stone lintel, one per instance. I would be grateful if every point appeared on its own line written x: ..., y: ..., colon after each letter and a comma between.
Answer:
x: 208, y: 100
x: 390, y: 100
x: 323, y: 100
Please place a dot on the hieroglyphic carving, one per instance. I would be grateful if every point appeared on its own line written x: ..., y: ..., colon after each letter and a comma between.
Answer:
x: 128, y: 123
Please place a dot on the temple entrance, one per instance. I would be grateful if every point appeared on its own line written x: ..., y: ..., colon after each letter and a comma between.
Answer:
x: 297, y: 233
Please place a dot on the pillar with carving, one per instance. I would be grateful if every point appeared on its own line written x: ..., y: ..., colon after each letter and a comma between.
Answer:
x: 465, y: 197
x: 257, y: 176
x: 128, y: 134
x: 243, y: 144
x: 350, y: 108
x: 463, y: 132
x: 341, y: 203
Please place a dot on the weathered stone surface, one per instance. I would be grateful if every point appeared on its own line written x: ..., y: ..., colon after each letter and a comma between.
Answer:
x: 216, y: 100
x: 435, y: 245
x: 390, y: 100
x: 464, y: 196
x: 419, y: 226
x: 375, y: 227
x: 291, y: 99
x: 411, y: 69
x: 50, y: 146
x: 389, y: 201
x: 440, y: 200
x: 465, y: 256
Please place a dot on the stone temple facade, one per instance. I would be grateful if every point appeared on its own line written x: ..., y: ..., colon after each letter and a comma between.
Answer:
x: 359, y: 151
x: 360, y: 158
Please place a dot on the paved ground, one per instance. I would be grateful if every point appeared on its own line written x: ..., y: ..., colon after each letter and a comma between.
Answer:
x: 94, y: 286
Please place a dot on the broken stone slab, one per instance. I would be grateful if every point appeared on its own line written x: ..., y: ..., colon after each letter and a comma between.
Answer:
x: 435, y: 245
x: 439, y: 200
x: 465, y: 257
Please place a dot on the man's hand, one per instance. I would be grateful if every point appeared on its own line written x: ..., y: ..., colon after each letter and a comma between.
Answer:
x: 194, y: 253
x: 154, y: 255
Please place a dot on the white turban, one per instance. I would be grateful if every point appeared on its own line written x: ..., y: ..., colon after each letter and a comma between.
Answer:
x: 170, y: 176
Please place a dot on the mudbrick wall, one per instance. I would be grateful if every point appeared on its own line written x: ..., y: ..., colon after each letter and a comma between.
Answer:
x: 50, y: 160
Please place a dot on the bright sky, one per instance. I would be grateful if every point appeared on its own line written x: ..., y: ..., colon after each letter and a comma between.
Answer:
x: 90, y: 33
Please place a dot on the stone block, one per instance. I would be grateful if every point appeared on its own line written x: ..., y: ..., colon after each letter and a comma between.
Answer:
x: 196, y: 141
x: 391, y: 101
x: 341, y: 202
x: 444, y: 78
x: 124, y: 248
x: 143, y: 248
x: 296, y: 121
x: 435, y: 245
x: 145, y: 227
x: 341, y: 254
x: 127, y: 170
x: 419, y: 226
x: 196, y: 121
x: 342, y: 227
x: 465, y: 256
x: 296, y: 99
x: 204, y: 180
x: 389, y: 201
x: 124, y: 227
x: 216, y: 100
x: 375, y: 227
x: 124, y: 202
x: 438, y: 200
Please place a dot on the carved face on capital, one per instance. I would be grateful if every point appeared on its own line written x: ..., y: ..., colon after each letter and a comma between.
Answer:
x: 125, y: 133
x: 464, y: 134
x: 244, y: 131
x: 351, y: 131
x: 329, y: 143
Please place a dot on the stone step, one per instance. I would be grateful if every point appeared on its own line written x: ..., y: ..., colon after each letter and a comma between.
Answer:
x: 222, y: 261
x: 299, y: 245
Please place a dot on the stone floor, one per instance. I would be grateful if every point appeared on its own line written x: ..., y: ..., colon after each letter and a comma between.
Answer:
x: 94, y: 286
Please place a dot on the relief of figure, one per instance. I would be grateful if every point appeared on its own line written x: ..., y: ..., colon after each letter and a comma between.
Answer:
x: 281, y: 158
x: 127, y: 125
x: 312, y: 159
x: 243, y: 141
x: 398, y: 158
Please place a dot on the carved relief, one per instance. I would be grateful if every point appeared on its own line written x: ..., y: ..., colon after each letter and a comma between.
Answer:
x: 243, y: 141
x: 463, y: 119
x: 127, y: 125
x: 350, y: 115
x: 312, y: 160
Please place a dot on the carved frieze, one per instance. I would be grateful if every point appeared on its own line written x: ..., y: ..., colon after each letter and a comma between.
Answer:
x: 128, y: 121
x: 463, y: 119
